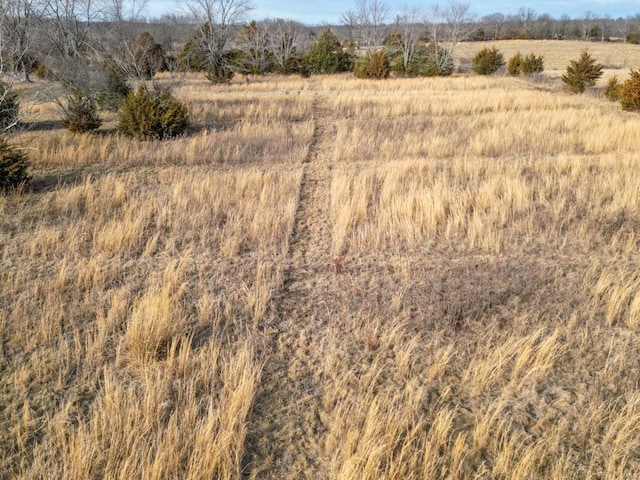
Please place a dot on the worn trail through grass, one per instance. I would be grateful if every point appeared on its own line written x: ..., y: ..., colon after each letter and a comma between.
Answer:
x: 288, y: 431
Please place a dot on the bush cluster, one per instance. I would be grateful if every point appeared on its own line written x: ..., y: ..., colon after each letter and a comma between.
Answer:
x: 294, y: 64
x: 529, y: 65
x: 372, y: 65
x: 429, y: 61
x: 629, y: 92
x: 582, y: 73
x: 13, y: 165
x: 152, y: 115
x: 487, y: 61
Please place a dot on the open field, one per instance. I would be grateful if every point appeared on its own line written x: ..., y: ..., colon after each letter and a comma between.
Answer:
x: 617, y: 58
x: 329, y: 278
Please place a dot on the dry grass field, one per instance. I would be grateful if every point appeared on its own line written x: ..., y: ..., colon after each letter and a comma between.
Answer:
x: 328, y: 278
x: 617, y: 58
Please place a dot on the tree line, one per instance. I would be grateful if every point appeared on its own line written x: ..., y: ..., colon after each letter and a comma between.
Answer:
x: 58, y: 36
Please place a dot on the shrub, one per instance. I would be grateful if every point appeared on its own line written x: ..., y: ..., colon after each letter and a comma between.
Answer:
x: 81, y: 113
x: 529, y: 65
x: 630, y: 92
x: 13, y: 165
x: 514, y: 66
x: 328, y: 56
x: 115, y: 87
x: 218, y: 74
x: 612, y: 89
x: 292, y: 65
x: 532, y: 64
x: 487, y: 61
x: 147, y: 115
x: 372, y: 65
x: 9, y: 107
x: 43, y: 72
x: 582, y: 73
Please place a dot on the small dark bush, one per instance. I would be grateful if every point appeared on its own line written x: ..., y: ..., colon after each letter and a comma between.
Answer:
x: 295, y: 64
x: 9, y: 107
x: 582, y: 73
x: 514, y: 66
x: 219, y: 75
x: 13, y: 165
x: 630, y: 92
x: 487, y: 61
x: 612, y: 89
x: 372, y: 65
x: 147, y: 115
x: 43, y: 72
x: 81, y: 113
x: 532, y: 64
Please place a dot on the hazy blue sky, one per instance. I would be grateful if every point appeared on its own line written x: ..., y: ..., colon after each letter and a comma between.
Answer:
x: 319, y: 11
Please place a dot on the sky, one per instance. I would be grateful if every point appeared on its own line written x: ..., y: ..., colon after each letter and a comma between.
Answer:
x: 318, y: 12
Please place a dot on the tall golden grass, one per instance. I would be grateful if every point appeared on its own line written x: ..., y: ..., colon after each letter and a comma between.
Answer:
x: 476, y: 315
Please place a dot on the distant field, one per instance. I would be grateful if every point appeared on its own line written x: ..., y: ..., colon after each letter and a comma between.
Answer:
x: 331, y: 278
x: 557, y: 53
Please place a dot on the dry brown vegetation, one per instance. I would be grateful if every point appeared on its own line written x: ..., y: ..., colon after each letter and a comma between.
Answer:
x: 329, y: 278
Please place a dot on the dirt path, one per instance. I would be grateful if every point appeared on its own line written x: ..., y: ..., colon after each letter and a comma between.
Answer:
x: 286, y: 430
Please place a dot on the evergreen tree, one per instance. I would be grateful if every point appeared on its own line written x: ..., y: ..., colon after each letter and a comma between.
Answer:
x: 629, y: 92
x: 582, y: 73
x: 328, y: 56
x: 487, y: 61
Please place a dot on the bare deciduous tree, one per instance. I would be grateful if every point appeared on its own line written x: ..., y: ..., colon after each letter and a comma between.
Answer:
x: 496, y: 21
x: 285, y: 38
x: 68, y: 24
x: 217, y: 18
x: 119, y: 11
x: 16, y: 36
x: 409, y: 27
x: 16, y: 55
x: 446, y: 27
x: 253, y: 42
x: 369, y: 20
